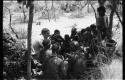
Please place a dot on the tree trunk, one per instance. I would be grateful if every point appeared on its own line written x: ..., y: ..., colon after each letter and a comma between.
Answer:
x: 29, y: 41
x: 88, y: 7
x: 101, y: 3
x: 111, y: 22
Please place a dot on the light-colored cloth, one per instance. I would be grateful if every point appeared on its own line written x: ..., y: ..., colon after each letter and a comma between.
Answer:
x: 37, y: 43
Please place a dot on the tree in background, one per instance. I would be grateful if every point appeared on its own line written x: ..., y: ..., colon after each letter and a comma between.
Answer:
x: 114, y: 8
x: 23, y: 10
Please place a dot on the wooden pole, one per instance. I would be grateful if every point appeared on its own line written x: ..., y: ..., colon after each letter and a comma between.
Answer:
x: 31, y: 7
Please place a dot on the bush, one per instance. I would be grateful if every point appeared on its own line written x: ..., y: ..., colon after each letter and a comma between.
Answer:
x: 14, y: 60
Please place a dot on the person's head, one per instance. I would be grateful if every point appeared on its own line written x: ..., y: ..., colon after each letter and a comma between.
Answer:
x: 48, y: 53
x: 55, y: 47
x: 82, y: 31
x: 76, y: 38
x: 74, y: 30
x: 74, y: 45
x: 88, y: 29
x: 46, y: 43
x: 57, y: 32
x: 45, y: 32
x: 93, y: 26
x: 101, y: 10
x: 66, y: 37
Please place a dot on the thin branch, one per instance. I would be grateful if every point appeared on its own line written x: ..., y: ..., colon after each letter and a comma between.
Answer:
x: 119, y: 17
x: 13, y: 29
x: 10, y: 23
x: 93, y: 9
x: 24, y: 14
x: 84, y: 5
x: 11, y: 26
x: 114, y: 9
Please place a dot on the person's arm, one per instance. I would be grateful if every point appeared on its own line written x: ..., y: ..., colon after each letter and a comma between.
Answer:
x: 41, y: 42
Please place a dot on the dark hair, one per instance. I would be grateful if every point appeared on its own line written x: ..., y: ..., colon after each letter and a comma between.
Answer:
x: 66, y: 37
x: 93, y: 26
x: 46, y: 42
x: 83, y: 30
x: 45, y: 30
x: 56, y: 31
x: 88, y: 29
x: 73, y: 29
x: 76, y: 38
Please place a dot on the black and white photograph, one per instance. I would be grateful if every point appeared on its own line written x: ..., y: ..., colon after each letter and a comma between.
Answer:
x: 62, y: 39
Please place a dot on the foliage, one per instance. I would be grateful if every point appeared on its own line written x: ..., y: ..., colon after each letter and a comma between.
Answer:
x: 25, y: 2
x: 14, y: 60
x: 110, y: 5
x: 15, y: 54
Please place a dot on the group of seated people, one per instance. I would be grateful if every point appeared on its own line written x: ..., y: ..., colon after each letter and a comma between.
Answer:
x: 78, y: 40
x: 80, y: 43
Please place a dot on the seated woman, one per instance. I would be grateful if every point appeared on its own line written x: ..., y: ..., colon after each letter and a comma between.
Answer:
x: 56, y: 37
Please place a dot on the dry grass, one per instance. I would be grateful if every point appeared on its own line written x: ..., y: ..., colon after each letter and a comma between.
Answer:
x: 112, y: 71
x: 22, y: 33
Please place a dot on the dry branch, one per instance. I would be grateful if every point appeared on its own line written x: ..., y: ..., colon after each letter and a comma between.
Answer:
x: 119, y: 17
x: 93, y: 9
x: 84, y: 5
